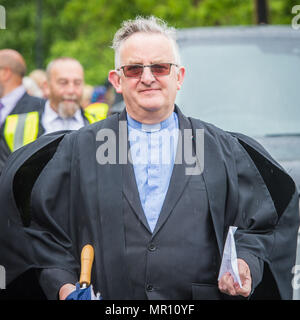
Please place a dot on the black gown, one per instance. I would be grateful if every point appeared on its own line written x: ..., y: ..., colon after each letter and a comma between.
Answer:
x: 55, y: 198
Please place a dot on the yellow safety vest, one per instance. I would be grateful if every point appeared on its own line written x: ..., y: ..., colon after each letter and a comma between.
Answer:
x: 21, y: 129
x: 96, y: 110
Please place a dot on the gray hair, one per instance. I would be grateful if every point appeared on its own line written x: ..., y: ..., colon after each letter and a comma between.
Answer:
x: 147, y: 25
x: 60, y: 59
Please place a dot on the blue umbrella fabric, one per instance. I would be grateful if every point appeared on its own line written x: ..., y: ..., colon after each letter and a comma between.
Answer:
x: 83, y: 294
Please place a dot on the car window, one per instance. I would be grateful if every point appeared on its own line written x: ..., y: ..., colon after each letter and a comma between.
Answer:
x: 249, y: 86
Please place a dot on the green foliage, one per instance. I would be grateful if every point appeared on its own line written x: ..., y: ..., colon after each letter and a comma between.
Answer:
x: 85, y: 29
x: 280, y: 11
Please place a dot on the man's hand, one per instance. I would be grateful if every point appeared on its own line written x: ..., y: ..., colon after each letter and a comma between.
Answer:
x: 228, y: 286
x: 65, y: 290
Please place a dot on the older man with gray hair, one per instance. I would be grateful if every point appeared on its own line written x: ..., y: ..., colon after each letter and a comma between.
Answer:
x: 61, y: 111
x: 158, y: 232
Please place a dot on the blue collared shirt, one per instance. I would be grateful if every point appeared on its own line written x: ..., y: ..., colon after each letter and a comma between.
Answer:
x: 153, y: 151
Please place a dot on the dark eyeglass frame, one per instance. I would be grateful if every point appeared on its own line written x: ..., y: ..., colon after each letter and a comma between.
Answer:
x: 151, y: 66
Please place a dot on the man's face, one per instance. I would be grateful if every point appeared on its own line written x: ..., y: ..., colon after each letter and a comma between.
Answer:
x: 149, y: 98
x: 66, y: 87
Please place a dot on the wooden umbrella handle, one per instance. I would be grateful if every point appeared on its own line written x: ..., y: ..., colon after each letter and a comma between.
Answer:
x: 87, y: 258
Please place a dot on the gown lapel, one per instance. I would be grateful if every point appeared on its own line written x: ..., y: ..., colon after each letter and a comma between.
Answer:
x: 131, y: 193
x: 214, y: 175
x: 214, y: 172
x: 130, y: 188
x: 110, y: 204
x: 178, y: 180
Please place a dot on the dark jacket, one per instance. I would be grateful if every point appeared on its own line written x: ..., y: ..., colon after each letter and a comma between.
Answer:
x: 23, y: 109
x: 100, y: 206
x: 26, y: 104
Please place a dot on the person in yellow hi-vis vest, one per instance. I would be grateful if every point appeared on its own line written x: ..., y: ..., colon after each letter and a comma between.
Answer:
x: 97, y: 110
x: 61, y: 111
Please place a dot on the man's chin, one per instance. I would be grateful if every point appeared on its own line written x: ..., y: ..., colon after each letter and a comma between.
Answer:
x: 151, y: 104
x: 151, y: 108
x: 68, y: 109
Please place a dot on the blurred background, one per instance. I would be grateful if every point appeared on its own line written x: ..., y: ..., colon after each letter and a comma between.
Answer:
x: 45, y: 29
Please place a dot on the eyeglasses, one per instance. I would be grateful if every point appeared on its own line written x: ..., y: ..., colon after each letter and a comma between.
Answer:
x: 157, y: 69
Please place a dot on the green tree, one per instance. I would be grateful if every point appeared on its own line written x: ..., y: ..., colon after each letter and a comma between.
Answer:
x: 22, y: 28
x: 95, y: 22
x: 85, y: 29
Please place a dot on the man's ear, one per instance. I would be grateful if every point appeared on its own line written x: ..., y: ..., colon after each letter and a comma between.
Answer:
x: 6, y: 73
x: 45, y: 89
x: 115, y: 80
x: 180, y: 77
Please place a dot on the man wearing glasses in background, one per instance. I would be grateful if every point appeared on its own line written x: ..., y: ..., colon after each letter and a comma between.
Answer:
x: 158, y: 232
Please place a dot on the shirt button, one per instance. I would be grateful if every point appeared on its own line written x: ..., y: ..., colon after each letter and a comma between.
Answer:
x: 149, y: 287
x: 152, y: 247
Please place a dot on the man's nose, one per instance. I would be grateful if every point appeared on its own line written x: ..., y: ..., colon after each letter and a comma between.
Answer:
x: 147, y: 76
x: 71, y: 88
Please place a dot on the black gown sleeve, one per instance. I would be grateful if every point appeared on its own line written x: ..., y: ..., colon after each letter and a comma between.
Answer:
x: 267, y: 216
x: 50, y: 226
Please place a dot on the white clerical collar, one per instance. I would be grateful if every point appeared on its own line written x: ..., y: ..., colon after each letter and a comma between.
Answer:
x: 151, y: 127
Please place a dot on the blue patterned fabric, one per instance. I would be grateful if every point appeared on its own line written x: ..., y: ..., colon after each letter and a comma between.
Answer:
x: 83, y: 294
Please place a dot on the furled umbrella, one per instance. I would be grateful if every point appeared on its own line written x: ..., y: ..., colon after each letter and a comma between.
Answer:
x: 84, y: 289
